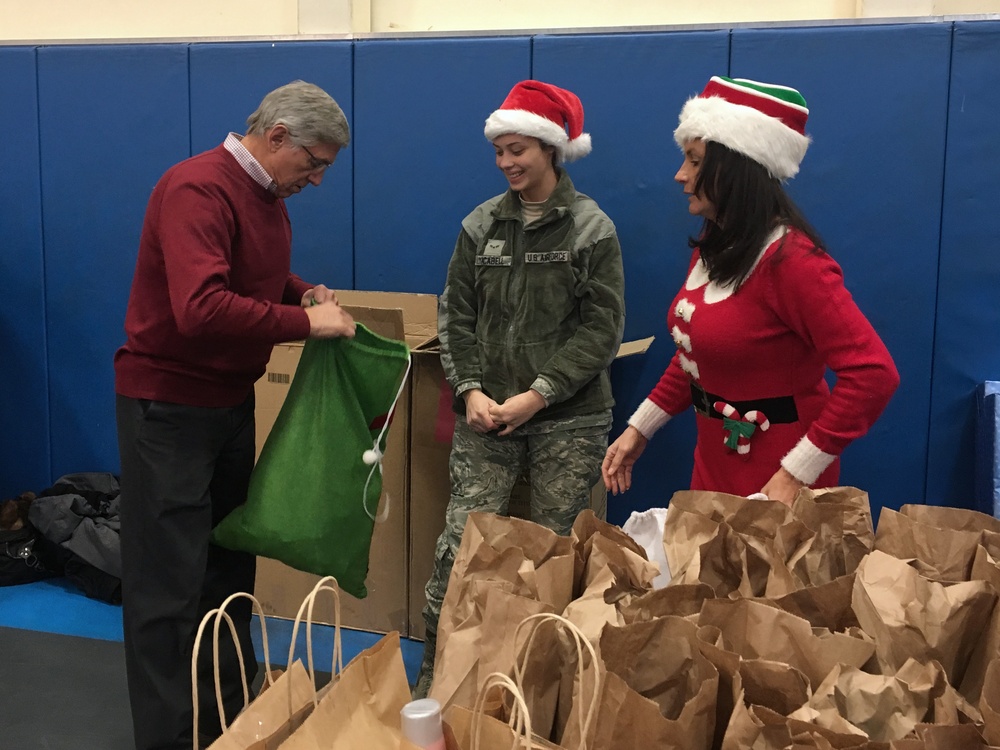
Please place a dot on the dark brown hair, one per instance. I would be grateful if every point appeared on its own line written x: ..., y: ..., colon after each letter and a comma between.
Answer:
x: 749, y: 205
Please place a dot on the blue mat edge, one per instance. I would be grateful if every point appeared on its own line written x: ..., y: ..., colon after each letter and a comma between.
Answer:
x: 56, y: 606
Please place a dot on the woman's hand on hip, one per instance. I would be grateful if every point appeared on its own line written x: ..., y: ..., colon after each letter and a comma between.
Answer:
x: 621, y: 456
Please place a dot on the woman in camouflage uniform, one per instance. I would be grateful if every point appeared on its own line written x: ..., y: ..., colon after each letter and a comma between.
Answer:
x: 531, y: 317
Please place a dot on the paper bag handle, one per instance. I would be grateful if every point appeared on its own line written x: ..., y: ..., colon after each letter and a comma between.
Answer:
x: 217, y: 615
x: 520, y: 720
x: 328, y: 583
x: 581, y: 641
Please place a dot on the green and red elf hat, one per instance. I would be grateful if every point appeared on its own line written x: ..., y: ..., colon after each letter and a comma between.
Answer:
x: 762, y: 121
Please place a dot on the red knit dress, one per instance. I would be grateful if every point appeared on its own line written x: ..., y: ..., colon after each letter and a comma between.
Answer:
x: 775, y: 337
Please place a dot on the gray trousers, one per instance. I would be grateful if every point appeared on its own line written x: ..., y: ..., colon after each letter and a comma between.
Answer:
x: 183, y: 469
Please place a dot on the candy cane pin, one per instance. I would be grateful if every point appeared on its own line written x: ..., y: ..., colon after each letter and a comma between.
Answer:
x: 739, y: 429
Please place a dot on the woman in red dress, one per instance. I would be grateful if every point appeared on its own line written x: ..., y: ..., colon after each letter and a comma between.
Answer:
x: 761, y: 316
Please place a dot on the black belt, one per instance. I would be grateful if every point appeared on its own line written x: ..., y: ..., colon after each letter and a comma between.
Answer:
x: 779, y: 410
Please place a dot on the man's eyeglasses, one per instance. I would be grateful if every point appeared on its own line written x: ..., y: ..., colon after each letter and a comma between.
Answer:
x: 317, y: 165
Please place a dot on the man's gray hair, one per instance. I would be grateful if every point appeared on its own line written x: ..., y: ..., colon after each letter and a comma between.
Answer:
x: 310, y: 114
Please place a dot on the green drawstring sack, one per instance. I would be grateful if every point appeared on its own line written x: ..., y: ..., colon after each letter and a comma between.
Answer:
x: 316, y: 487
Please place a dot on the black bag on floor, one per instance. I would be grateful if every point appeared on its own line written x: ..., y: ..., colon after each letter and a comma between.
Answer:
x: 18, y: 561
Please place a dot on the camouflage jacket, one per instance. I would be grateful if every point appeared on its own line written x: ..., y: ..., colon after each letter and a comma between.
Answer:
x: 538, y: 307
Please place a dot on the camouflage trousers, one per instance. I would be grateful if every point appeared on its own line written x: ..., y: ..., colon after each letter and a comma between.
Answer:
x: 562, y: 466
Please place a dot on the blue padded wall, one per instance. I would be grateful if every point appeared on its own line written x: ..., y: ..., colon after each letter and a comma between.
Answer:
x: 113, y: 118
x: 966, y: 348
x: 871, y: 183
x: 24, y: 439
x: 227, y: 83
x: 420, y: 106
x: 632, y: 87
x: 915, y: 231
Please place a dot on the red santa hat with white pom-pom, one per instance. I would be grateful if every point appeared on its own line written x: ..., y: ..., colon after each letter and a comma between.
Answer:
x: 546, y: 112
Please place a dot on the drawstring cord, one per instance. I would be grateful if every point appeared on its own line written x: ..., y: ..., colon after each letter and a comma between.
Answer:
x: 373, y: 456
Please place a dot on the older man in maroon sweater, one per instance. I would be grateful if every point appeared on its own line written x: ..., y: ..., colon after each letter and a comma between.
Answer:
x: 212, y: 293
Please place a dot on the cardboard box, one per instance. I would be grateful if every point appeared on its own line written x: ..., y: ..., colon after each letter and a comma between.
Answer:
x: 415, y: 473
x: 280, y: 588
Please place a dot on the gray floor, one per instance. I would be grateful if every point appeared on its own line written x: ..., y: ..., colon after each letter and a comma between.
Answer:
x: 62, y: 667
x: 61, y: 692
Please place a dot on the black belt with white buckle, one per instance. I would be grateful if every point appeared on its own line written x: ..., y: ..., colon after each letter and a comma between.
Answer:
x: 779, y: 410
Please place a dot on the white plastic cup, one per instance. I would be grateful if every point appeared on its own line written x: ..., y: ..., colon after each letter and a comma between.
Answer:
x: 421, y: 724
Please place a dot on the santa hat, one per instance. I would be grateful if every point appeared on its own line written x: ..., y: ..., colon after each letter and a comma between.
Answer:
x: 545, y: 112
x: 763, y: 121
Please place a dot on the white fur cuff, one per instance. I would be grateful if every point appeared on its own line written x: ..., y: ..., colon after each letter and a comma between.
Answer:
x: 648, y: 418
x: 806, y: 462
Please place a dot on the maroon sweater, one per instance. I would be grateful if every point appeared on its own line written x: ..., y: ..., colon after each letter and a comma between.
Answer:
x: 212, y: 291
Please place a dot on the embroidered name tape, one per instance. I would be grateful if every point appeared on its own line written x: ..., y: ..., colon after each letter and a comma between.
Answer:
x: 492, y: 260
x: 556, y: 256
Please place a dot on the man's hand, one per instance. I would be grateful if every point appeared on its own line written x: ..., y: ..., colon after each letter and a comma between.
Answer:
x: 616, y: 468
x: 477, y: 410
x: 516, y: 410
x: 318, y: 295
x: 329, y: 320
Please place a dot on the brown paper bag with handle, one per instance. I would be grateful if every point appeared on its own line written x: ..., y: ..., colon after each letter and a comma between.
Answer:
x: 559, y: 675
x: 471, y: 728
x: 502, y: 614
x: 284, y: 701
x: 514, y: 555
x: 360, y: 707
